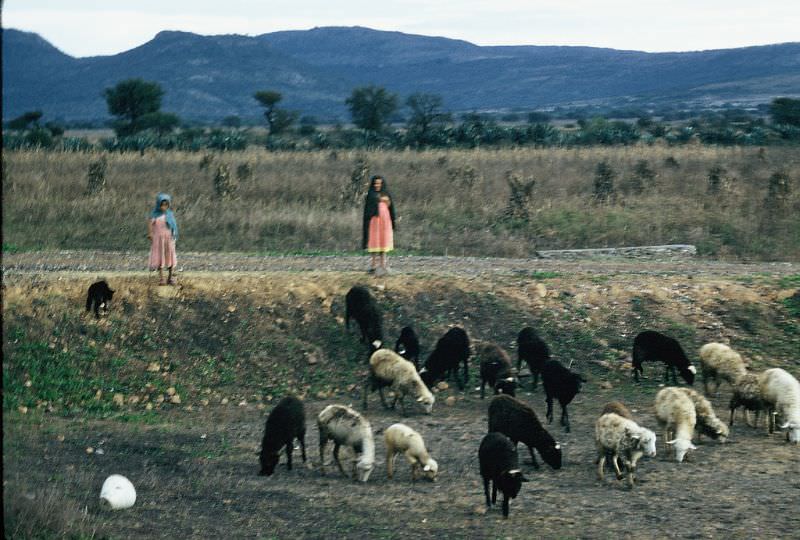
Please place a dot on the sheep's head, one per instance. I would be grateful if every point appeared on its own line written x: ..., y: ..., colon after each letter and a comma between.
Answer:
x: 681, y: 446
x: 363, y: 470
x: 430, y: 470
x: 552, y: 455
x: 117, y: 492
x: 269, y: 460
x: 646, y: 441
x: 506, y: 386
x: 510, y: 482
x: 427, y: 402
x: 688, y: 374
x: 793, y: 433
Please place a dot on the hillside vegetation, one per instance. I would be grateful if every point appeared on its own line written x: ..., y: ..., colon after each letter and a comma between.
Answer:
x: 732, y: 203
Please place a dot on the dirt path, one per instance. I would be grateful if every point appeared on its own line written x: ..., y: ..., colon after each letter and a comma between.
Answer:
x: 99, y: 261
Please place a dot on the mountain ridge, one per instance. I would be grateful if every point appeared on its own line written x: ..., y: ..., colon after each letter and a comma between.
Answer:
x: 210, y: 77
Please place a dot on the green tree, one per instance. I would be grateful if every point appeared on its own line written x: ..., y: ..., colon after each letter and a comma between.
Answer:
x: 426, y: 112
x: 371, y: 107
x: 130, y: 101
x: 785, y: 111
x: 278, y: 120
x: 160, y: 122
x: 22, y: 122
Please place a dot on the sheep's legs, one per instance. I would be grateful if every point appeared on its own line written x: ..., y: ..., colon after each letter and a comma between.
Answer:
x: 533, y: 458
x: 615, y: 462
x: 565, y: 419
x: 336, y: 447
x: 601, y: 463
x: 302, y: 439
x: 322, y: 444
x: 549, y: 414
x: 383, y: 399
x: 494, y: 491
x: 486, y: 492
x: 390, y: 463
x: 505, y: 505
x: 289, y: 448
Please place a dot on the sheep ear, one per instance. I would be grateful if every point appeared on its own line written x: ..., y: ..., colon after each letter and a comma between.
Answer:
x: 693, y: 370
x: 423, y: 370
x: 515, y: 472
x: 401, y: 350
x: 510, y: 379
x: 377, y: 344
x: 671, y: 442
x: 692, y: 447
x: 558, y: 446
x: 786, y: 425
x: 426, y: 468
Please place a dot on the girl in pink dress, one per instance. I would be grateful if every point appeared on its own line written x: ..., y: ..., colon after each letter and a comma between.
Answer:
x: 162, y: 230
x: 379, y: 224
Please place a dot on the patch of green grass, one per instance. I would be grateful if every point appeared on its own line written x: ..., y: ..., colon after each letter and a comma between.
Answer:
x: 792, y: 305
x: 542, y: 274
x: 789, y: 282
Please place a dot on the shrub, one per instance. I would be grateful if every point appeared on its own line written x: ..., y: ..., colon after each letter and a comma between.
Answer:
x: 603, y: 182
x: 96, y: 177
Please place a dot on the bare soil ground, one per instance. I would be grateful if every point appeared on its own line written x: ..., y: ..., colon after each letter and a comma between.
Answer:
x: 195, y: 465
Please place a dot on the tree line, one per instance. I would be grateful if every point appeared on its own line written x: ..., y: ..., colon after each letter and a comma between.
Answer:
x: 139, y: 123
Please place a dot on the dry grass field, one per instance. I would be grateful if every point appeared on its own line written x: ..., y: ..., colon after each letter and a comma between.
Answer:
x: 449, y: 202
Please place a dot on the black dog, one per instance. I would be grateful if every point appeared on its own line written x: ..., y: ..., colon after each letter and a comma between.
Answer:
x: 99, y: 296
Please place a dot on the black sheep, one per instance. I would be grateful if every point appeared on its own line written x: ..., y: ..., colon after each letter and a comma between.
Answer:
x: 361, y: 306
x: 652, y: 346
x: 500, y: 466
x: 496, y: 369
x: 451, y: 350
x: 407, y: 345
x: 533, y: 350
x: 515, y: 419
x: 562, y: 384
x: 286, y: 422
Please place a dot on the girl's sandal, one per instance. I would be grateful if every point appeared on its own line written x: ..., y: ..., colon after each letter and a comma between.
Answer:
x: 171, y: 281
x: 162, y: 281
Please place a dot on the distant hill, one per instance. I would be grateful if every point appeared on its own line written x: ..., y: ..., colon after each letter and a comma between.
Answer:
x: 210, y: 77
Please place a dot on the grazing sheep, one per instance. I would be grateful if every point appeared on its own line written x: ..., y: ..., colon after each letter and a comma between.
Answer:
x: 533, y: 350
x: 564, y: 385
x: 407, y: 345
x: 286, y: 422
x: 781, y: 392
x: 651, y: 346
x: 98, y: 296
x: 617, y: 408
x: 344, y: 426
x: 401, y: 438
x: 387, y: 368
x: 747, y: 394
x: 500, y: 466
x: 676, y: 414
x: 496, y: 369
x: 718, y: 361
x: 361, y: 306
x: 451, y: 350
x: 516, y: 420
x: 707, y: 422
x: 625, y: 440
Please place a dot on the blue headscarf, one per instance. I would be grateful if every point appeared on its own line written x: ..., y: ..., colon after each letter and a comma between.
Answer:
x: 171, y: 223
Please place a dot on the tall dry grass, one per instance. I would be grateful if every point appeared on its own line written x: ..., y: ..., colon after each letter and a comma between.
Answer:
x: 448, y: 201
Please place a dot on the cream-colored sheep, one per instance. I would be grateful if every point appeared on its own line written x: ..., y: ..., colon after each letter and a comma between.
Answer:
x: 401, y: 438
x: 747, y: 394
x: 344, y: 426
x: 718, y: 362
x: 781, y: 392
x: 707, y: 421
x: 387, y: 368
x: 676, y: 415
x: 624, y: 439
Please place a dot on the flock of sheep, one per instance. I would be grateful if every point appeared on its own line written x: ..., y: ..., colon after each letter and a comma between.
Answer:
x: 620, y: 440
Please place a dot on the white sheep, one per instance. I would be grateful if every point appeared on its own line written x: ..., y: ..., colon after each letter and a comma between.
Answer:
x: 387, y: 368
x: 676, y: 414
x: 707, y: 421
x: 344, y: 426
x: 624, y: 439
x: 401, y: 438
x: 718, y: 361
x: 781, y: 393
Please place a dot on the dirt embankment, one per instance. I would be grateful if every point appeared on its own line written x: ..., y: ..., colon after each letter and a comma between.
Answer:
x: 241, y: 331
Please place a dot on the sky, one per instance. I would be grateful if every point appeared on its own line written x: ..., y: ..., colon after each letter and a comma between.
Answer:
x: 96, y: 27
